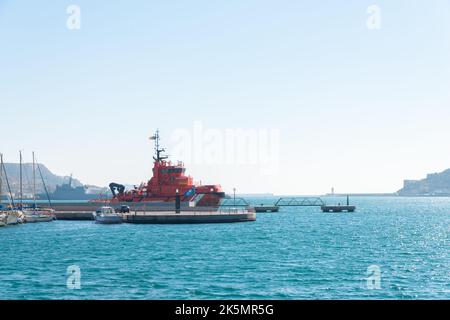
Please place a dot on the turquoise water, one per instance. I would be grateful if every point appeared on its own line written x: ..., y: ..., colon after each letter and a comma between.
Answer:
x: 298, y: 253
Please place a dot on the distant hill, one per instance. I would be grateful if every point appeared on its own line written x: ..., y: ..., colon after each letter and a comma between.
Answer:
x: 435, y: 184
x: 51, y: 179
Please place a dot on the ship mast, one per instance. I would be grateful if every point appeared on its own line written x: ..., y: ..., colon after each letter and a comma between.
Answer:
x: 158, y: 150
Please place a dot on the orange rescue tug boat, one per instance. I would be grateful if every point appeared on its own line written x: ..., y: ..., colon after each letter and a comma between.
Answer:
x: 168, y: 181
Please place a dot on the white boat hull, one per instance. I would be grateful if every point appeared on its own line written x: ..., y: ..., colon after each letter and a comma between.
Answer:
x: 108, y: 219
x: 37, y: 216
x: 107, y: 215
x: 10, y: 218
x: 33, y: 219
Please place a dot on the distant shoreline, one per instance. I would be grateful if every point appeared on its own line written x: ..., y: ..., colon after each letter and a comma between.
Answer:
x: 386, y: 195
x: 361, y: 195
x: 260, y: 195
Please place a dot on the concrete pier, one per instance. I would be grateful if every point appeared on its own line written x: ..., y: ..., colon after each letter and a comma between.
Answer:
x: 263, y: 208
x: 84, y: 207
x: 189, y: 217
x: 168, y: 217
x: 74, y: 215
x: 338, y: 208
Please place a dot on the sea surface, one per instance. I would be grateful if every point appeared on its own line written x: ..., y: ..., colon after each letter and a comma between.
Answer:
x: 390, y: 248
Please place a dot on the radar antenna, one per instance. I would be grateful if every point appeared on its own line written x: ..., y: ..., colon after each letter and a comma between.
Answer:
x: 158, y: 150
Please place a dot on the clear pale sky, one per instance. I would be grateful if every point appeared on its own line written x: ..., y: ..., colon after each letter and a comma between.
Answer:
x: 356, y: 109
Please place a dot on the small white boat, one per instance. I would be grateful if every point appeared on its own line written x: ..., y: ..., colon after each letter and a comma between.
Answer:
x: 38, y: 215
x: 107, y: 215
x: 48, y: 212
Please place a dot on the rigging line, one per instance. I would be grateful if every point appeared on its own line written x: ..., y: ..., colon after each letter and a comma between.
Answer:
x: 7, y: 183
x: 27, y: 178
x: 43, y: 182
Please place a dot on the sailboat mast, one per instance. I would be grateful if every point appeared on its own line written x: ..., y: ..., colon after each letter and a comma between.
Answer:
x: 7, y: 183
x: 34, y: 182
x: 21, y: 190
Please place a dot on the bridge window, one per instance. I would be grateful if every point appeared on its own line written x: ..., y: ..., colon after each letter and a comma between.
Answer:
x: 174, y: 170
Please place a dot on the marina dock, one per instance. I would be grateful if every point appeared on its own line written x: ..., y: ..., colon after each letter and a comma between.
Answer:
x: 338, y: 208
x: 170, y: 217
x: 74, y: 215
x: 263, y: 208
